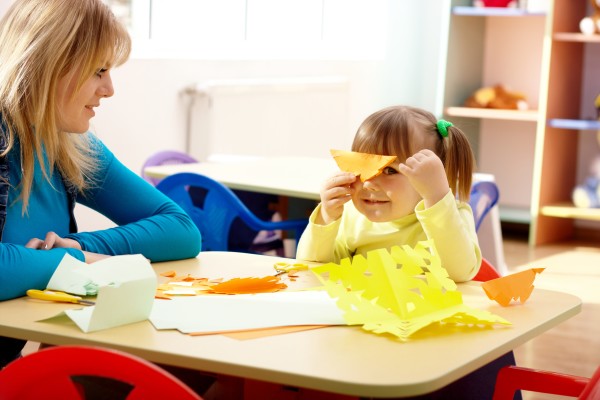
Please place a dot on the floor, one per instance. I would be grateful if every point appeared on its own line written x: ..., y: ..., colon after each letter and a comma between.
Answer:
x: 574, y: 346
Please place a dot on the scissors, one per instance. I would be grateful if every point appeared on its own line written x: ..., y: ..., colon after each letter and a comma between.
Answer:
x: 283, y: 267
x: 58, y: 296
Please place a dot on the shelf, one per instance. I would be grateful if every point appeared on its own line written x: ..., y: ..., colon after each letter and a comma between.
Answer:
x: 575, y: 37
x: 514, y: 214
x: 568, y: 210
x: 489, y: 113
x: 493, y: 11
x: 576, y: 124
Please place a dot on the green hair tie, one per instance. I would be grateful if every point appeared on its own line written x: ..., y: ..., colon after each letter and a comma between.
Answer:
x: 442, y: 127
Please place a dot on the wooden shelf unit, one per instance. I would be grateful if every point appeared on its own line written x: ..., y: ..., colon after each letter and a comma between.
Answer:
x: 555, y: 171
x: 486, y: 47
x: 532, y: 154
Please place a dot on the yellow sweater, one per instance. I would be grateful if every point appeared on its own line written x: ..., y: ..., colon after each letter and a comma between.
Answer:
x: 449, y: 223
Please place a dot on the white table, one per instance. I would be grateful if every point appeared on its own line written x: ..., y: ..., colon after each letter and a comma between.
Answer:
x: 342, y: 359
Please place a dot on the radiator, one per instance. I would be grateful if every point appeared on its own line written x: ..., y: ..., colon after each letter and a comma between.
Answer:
x: 296, y: 116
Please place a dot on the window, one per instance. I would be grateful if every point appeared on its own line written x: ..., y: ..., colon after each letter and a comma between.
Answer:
x: 255, y: 29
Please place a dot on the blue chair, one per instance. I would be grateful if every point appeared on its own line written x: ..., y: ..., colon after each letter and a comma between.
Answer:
x: 484, y: 196
x: 219, y: 207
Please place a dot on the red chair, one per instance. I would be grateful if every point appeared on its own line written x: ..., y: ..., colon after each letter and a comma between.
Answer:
x: 486, y: 272
x: 511, y: 379
x: 67, y: 372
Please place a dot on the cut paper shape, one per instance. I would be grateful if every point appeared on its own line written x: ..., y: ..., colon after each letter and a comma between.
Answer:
x: 517, y: 286
x: 266, y: 284
x: 399, y: 291
x: 224, y: 313
x: 365, y: 165
x: 127, y: 285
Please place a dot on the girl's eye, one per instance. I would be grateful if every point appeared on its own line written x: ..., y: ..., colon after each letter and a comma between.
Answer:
x: 390, y: 171
x: 100, y: 72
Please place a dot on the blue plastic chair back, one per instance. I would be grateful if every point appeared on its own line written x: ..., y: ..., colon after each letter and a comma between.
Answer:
x: 163, y: 158
x: 217, y: 210
x: 484, y: 196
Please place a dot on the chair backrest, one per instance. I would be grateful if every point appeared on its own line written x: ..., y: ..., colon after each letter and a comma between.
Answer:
x: 513, y: 378
x: 163, y: 158
x: 63, y: 371
x: 484, y: 196
x: 213, y: 207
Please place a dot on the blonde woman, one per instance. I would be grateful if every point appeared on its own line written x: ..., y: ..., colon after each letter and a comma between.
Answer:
x: 56, y: 58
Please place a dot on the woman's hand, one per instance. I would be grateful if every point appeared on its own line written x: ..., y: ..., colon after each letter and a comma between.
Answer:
x: 335, y: 192
x: 427, y: 175
x: 52, y: 241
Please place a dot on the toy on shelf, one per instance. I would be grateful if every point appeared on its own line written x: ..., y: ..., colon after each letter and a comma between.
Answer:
x: 497, y: 97
x: 587, y: 195
x: 590, y: 25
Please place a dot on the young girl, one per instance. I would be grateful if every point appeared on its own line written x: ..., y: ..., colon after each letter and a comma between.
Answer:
x: 412, y: 200
x: 55, y: 62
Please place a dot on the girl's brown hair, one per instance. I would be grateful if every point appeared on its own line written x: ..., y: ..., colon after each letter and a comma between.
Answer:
x: 40, y: 42
x: 393, y: 131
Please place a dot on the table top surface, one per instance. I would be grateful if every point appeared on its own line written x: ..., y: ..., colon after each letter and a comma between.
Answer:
x: 292, y: 176
x: 339, y: 359
x: 299, y: 177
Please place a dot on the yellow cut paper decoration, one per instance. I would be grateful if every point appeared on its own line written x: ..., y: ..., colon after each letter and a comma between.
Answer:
x: 366, y: 165
x: 399, y: 291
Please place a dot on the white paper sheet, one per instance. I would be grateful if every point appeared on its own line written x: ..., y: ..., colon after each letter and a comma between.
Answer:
x: 127, y: 285
x: 216, y: 313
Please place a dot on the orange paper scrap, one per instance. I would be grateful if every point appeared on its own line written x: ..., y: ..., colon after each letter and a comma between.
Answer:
x: 517, y: 286
x: 366, y: 165
x: 249, y: 285
x: 399, y: 291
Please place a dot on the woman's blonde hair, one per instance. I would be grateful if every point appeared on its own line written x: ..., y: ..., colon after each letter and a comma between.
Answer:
x: 393, y: 131
x: 40, y: 42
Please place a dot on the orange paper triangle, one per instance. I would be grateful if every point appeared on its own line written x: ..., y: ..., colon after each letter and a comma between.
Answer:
x: 366, y: 165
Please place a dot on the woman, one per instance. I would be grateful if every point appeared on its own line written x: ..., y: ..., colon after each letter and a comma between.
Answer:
x: 55, y: 62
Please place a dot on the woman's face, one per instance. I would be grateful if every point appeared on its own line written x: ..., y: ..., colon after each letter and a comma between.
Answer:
x: 75, y: 111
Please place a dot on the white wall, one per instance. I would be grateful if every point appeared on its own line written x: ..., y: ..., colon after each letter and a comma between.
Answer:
x: 147, y: 112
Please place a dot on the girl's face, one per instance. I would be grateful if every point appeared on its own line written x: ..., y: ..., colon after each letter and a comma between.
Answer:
x: 75, y: 112
x: 386, y: 197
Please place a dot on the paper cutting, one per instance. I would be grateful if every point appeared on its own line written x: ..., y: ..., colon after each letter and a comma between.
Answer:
x: 126, y: 287
x: 222, y: 313
x: 366, y: 165
x: 399, y: 291
x: 266, y: 284
x: 517, y: 286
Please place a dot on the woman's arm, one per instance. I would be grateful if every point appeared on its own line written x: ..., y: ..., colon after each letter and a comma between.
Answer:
x: 23, y: 268
x: 149, y: 222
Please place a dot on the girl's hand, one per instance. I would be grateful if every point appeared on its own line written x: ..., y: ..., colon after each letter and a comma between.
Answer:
x: 335, y: 192
x: 426, y: 174
x: 51, y: 241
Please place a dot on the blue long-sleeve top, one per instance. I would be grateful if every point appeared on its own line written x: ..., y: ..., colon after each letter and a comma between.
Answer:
x: 149, y: 223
